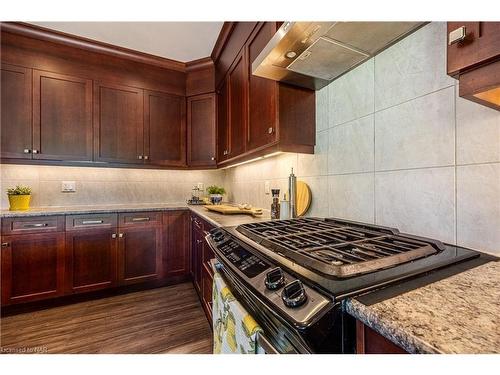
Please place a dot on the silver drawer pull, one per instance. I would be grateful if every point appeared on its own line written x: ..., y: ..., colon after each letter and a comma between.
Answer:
x: 38, y: 225
x: 140, y: 219
x: 89, y: 222
x: 457, y: 35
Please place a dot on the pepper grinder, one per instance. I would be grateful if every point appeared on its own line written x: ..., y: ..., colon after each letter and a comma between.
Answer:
x: 292, y: 194
x: 275, y: 206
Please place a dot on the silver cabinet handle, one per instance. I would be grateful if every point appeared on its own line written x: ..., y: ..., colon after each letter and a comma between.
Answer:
x: 139, y: 157
x: 89, y: 222
x: 113, y: 235
x: 35, y: 151
x: 120, y: 235
x: 26, y: 150
x: 38, y: 225
x: 212, y: 158
x: 146, y: 157
x: 141, y: 219
x: 457, y: 35
x: 270, y: 130
x: 5, y: 244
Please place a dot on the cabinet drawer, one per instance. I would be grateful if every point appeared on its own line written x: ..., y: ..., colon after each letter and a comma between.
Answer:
x: 139, y: 218
x: 33, y: 224
x: 78, y: 222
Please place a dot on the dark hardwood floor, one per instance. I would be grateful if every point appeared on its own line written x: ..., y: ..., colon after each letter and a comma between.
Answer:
x: 163, y: 320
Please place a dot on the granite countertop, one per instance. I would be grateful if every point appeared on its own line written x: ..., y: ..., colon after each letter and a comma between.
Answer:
x: 212, y: 217
x: 459, y: 314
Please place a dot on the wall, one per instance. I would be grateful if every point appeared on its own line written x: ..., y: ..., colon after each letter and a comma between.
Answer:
x: 396, y: 146
x: 104, y: 185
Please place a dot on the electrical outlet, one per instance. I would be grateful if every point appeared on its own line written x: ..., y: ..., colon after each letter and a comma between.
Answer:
x: 267, y: 187
x: 68, y: 186
x: 201, y: 186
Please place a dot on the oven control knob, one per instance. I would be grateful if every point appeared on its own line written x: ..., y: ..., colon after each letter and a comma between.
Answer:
x: 294, y: 294
x: 275, y: 279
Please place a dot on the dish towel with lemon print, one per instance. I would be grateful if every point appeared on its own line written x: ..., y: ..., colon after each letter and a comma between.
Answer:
x: 235, y: 331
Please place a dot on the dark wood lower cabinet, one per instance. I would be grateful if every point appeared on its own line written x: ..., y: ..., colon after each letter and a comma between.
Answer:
x: 32, y: 267
x: 201, y: 269
x: 91, y: 259
x: 139, y: 254
x: 56, y: 256
x: 176, y: 254
x: 197, y: 251
x: 206, y: 292
x: 370, y: 342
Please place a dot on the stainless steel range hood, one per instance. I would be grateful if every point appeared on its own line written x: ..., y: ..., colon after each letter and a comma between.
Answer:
x: 312, y: 54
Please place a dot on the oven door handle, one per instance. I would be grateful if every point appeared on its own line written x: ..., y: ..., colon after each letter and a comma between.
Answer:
x: 265, y: 344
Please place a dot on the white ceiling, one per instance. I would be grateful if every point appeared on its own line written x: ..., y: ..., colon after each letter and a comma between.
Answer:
x: 181, y: 41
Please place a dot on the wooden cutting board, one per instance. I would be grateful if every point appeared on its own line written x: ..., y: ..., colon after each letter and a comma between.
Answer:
x: 303, y: 198
x: 233, y: 210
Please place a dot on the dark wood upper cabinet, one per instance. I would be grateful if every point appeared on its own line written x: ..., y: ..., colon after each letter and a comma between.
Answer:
x: 62, y: 117
x: 91, y: 259
x: 222, y: 122
x: 201, y: 113
x: 262, y: 93
x: 237, y: 81
x: 32, y: 267
x: 16, y: 126
x: 474, y: 59
x: 118, y: 123
x: 263, y: 116
x: 139, y: 254
x: 481, y: 43
x: 176, y: 240
x: 164, y: 129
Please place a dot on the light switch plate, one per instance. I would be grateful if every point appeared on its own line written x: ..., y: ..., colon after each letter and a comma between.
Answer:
x: 201, y: 186
x: 267, y: 187
x: 68, y: 186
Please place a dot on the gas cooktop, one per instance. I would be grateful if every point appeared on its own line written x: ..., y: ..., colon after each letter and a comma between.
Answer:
x: 339, y: 248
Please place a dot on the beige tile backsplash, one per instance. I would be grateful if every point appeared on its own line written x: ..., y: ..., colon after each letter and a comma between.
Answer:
x: 104, y: 185
x: 395, y: 145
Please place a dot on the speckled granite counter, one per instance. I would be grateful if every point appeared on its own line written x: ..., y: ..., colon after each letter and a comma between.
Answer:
x: 212, y: 217
x: 459, y: 314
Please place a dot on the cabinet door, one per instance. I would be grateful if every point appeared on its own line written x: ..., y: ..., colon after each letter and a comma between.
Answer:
x: 118, y: 122
x: 207, y: 281
x: 139, y: 254
x: 32, y: 267
x: 197, y: 253
x: 62, y: 117
x: 16, y: 127
x: 176, y: 243
x: 262, y: 93
x: 222, y: 122
x: 91, y: 259
x: 238, y: 84
x: 164, y: 129
x: 201, y: 130
x: 482, y: 43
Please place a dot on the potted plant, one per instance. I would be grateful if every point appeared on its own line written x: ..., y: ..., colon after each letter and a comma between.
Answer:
x: 19, y: 197
x: 216, y: 193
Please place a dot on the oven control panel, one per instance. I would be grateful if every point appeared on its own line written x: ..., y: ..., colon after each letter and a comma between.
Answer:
x: 242, y: 259
x: 271, y: 282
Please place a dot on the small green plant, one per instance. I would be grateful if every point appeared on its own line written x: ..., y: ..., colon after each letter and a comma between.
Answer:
x: 216, y: 190
x: 19, y: 190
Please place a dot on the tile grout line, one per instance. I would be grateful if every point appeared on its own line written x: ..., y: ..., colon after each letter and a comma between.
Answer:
x: 374, y: 145
x: 455, y: 174
x: 392, y: 106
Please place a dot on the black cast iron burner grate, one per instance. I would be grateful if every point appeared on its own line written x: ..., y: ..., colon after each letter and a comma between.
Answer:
x: 339, y: 248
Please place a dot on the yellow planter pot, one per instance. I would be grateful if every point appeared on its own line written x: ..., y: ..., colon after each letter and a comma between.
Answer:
x: 19, y: 202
